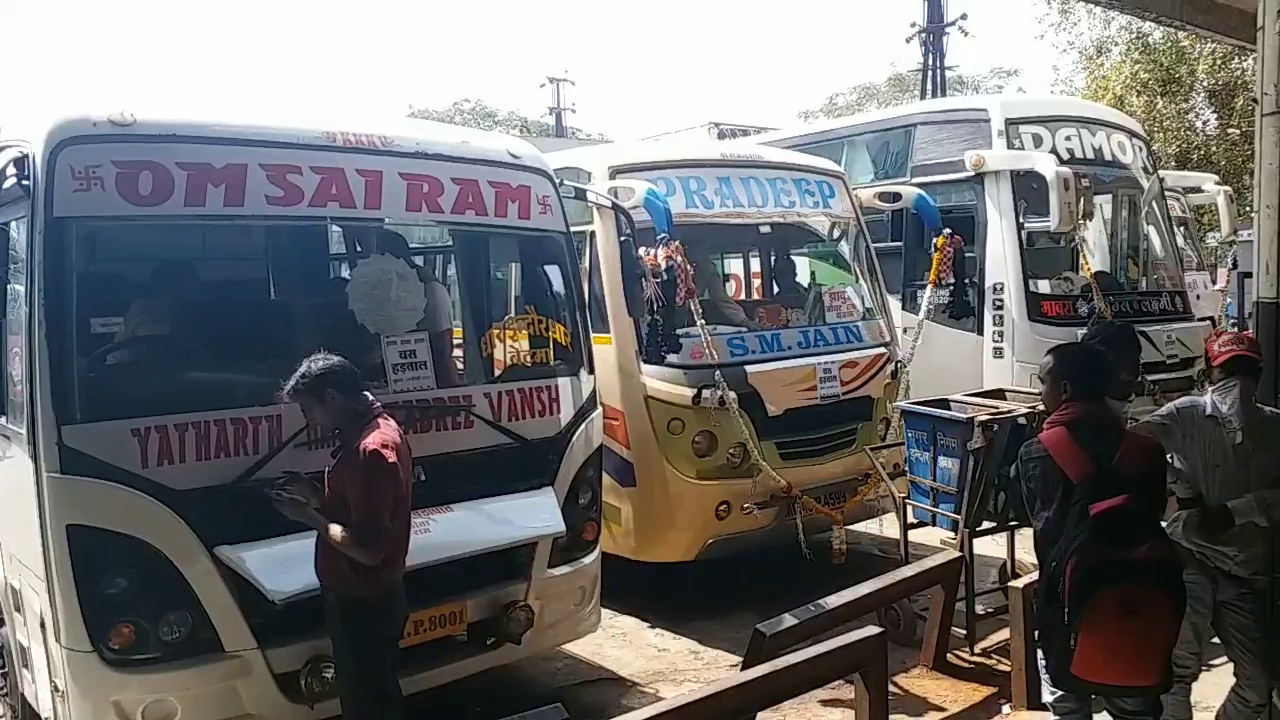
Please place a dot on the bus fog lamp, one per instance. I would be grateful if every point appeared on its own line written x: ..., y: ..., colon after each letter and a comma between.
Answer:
x: 318, y: 679
x: 174, y: 627
x: 675, y: 426
x: 517, y: 620
x: 723, y: 509
x: 704, y: 444
x: 736, y: 455
x: 590, y: 531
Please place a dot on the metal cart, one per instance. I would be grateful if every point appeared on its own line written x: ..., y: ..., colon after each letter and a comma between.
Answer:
x: 959, y: 450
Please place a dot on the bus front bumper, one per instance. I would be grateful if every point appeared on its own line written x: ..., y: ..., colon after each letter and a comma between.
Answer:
x: 242, y: 686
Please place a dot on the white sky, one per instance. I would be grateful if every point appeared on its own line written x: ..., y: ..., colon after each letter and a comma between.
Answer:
x: 671, y: 64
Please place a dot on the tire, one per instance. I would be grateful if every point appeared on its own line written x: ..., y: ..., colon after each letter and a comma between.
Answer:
x: 899, y: 622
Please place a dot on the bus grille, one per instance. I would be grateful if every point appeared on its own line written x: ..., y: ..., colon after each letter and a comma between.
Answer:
x: 812, y: 432
x: 276, y: 625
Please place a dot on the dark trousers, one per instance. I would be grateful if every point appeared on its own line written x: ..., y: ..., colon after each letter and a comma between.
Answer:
x: 366, y: 650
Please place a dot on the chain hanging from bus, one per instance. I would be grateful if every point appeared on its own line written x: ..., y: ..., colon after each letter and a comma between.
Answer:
x: 183, y: 268
x: 987, y: 162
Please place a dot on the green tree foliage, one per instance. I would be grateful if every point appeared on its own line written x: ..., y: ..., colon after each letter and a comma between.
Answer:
x: 1193, y: 96
x: 481, y: 115
x: 901, y: 87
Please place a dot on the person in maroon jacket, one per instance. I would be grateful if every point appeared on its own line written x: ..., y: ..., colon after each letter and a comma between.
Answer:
x: 361, y: 516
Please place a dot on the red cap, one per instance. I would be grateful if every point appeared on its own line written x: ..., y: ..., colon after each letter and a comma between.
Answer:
x: 1226, y: 345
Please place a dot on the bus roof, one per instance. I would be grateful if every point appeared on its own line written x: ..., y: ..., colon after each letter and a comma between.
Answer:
x: 666, y: 152
x: 998, y: 107
x: 322, y: 129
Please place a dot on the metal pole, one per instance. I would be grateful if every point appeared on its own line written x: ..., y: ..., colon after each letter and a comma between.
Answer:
x: 1267, y: 198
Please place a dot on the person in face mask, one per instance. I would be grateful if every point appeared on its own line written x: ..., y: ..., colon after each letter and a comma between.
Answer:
x: 1225, y: 471
x: 1124, y: 349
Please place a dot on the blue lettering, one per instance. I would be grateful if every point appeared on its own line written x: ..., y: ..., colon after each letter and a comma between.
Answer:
x: 781, y: 194
x: 695, y: 189
x: 808, y: 196
x: 727, y: 194
x: 756, y: 191
x: 806, y: 340
x: 827, y: 192
x: 853, y: 334
x: 737, y: 346
x: 666, y: 185
x: 770, y: 343
x: 820, y: 338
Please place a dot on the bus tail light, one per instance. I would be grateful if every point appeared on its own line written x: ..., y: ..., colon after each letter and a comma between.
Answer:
x: 581, y: 511
x: 137, y: 606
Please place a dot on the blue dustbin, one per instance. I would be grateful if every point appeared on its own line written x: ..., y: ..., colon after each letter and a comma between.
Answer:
x: 938, y: 432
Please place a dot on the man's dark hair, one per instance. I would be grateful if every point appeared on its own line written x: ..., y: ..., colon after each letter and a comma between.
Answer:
x: 321, y: 372
x: 1084, y: 366
x: 1119, y: 340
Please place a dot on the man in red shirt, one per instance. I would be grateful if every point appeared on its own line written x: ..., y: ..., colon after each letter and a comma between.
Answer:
x: 361, y: 516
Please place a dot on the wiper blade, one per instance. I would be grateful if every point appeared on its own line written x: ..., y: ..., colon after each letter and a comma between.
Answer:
x: 248, y: 473
x: 469, y: 408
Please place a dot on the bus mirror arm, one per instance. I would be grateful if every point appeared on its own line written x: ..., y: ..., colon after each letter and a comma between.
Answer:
x: 1225, y: 199
x: 1060, y: 182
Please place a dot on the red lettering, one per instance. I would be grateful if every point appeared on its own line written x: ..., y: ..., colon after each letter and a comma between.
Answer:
x: 526, y: 403
x: 233, y: 178
x: 372, y: 188
x: 239, y: 437
x: 278, y: 174
x: 255, y: 422
x: 495, y: 404
x: 203, y: 440
x: 541, y: 394
x: 332, y: 188
x: 275, y: 430
x: 164, y: 446
x: 440, y: 420
x: 470, y: 198
x: 512, y: 415
x: 143, y: 437
x: 221, y: 441
x: 455, y: 418
x: 553, y: 399
x: 317, y: 440
x: 160, y: 182
x: 181, y: 429
x: 505, y: 194
x: 422, y: 191
x: 468, y: 420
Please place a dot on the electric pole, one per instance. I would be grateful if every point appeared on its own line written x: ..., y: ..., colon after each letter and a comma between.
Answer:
x: 932, y: 36
x: 558, y: 110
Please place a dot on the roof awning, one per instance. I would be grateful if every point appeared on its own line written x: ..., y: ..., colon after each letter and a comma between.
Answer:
x: 1230, y: 21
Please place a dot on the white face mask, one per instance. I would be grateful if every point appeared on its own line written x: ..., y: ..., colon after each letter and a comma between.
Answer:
x: 1233, y: 399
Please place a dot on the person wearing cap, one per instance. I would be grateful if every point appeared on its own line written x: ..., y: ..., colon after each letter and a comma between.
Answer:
x: 1225, y: 472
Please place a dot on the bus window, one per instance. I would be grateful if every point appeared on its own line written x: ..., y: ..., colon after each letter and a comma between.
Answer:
x: 15, y: 323
x: 878, y: 156
x: 961, y: 211
x: 833, y: 151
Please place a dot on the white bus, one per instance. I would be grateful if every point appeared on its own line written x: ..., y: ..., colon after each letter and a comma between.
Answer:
x: 181, y: 269
x: 984, y: 161
x: 1188, y: 190
x: 803, y: 337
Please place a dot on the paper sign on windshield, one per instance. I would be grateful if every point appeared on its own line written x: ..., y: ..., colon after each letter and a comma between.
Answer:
x: 115, y: 179
x: 408, y: 362
x: 840, y: 302
x: 748, y: 192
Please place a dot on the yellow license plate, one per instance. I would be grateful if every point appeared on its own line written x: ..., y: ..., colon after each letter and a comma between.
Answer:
x: 833, y: 500
x: 434, y: 623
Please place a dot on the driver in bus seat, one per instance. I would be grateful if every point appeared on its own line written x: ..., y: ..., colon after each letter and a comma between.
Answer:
x: 717, y: 307
x: 784, y: 276
x: 171, y: 286
x: 437, y: 317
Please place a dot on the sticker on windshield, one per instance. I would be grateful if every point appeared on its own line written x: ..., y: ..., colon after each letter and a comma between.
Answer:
x: 386, y: 295
x: 106, y: 325
x: 409, y: 364
x: 508, y: 343
x: 828, y: 381
x: 841, y: 304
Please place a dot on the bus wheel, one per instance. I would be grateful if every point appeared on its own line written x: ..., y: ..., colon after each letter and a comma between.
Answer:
x: 899, y: 622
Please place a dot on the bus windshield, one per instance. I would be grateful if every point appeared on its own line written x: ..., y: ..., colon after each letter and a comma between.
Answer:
x: 1184, y: 232
x: 168, y: 316
x: 1130, y: 244
x: 772, y: 277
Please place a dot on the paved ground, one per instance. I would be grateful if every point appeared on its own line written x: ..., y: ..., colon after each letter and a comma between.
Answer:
x: 669, y: 629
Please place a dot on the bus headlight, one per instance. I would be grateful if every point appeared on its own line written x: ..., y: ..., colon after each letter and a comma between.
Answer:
x: 736, y: 455
x: 581, y: 512
x: 704, y: 444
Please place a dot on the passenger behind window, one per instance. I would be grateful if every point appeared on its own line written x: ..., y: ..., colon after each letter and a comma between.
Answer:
x: 784, y: 276
x: 717, y: 307
x: 172, y: 287
x: 437, y: 319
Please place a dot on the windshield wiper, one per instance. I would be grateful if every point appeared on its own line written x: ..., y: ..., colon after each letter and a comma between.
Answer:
x: 469, y: 408
x: 248, y: 473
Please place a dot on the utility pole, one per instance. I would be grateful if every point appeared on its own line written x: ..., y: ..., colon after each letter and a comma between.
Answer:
x: 558, y: 110
x: 932, y: 36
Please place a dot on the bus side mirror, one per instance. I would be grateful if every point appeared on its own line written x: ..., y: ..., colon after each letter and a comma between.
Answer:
x: 1225, y: 200
x: 900, y: 197
x: 1061, y: 205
